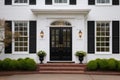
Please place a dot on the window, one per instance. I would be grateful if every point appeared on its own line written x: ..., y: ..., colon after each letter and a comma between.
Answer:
x: 19, y: 2
x: 103, y: 37
x: 103, y: 2
x: 21, y: 43
x: 61, y: 1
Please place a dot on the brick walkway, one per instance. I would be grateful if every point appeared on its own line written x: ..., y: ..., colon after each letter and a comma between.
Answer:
x: 60, y: 77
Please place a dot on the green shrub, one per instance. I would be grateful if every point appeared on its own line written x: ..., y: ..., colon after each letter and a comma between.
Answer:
x: 22, y: 64
x: 1, y: 65
x: 6, y: 64
x: 112, y: 64
x: 118, y: 66
x: 19, y: 59
x: 27, y: 64
x: 102, y: 64
x: 13, y: 65
x: 92, y: 65
x: 97, y: 60
x: 30, y: 64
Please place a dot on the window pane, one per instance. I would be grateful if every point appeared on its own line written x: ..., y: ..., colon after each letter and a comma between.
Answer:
x: 98, y: 49
x: 98, y: 44
x: 25, y: 49
x: 107, y: 33
x: 98, y: 38
x: 102, y: 33
x: 107, y: 38
x: 102, y: 49
x: 16, y: 43
x: 98, y: 33
x: 16, y: 49
x: 107, y: 44
x: 25, y: 44
x: 107, y: 49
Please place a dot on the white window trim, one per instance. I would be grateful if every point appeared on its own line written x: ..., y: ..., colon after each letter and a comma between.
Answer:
x: 103, y: 3
x: 19, y: 4
x: 53, y: 1
x: 13, y: 40
x: 110, y: 52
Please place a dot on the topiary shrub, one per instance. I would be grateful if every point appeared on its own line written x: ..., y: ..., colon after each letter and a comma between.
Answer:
x: 6, y: 64
x: 97, y: 60
x: 118, y: 66
x: 1, y: 65
x: 112, y: 64
x: 13, y: 65
x: 102, y: 64
x: 30, y: 64
x: 21, y: 64
x: 27, y: 64
x: 92, y: 65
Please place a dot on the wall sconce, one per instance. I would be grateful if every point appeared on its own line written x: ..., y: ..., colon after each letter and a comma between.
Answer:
x: 80, y: 33
x: 41, y: 34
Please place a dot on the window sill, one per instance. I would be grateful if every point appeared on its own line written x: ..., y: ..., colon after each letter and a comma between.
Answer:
x: 19, y: 53
x: 26, y: 4
x: 103, y: 5
x: 103, y: 53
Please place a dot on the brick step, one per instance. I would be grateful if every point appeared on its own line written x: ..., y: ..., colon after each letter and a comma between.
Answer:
x: 61, y: 72
x: 61, y: 68
x: 61, y: 64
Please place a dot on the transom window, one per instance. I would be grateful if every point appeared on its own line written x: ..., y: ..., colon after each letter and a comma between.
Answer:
x: 21, y: 43
x: 103, y: 2
x: 60, y: 23
x: 102, y: 36
x: 61, y: 1
x: 20, y: 1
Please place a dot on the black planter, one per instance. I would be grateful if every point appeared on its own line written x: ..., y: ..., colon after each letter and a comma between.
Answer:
x: 81, y: 59
x: 41, y: 58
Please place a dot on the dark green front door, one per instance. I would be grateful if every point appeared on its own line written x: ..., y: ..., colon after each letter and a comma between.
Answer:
x: 60, y: 43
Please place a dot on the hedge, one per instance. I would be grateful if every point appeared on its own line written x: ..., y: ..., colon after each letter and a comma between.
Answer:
x: 92, y: 65
x: 104, y: 65
x: 26, y: 64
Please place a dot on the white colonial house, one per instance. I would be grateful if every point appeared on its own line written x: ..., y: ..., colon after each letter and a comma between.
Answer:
x: 62, y: 27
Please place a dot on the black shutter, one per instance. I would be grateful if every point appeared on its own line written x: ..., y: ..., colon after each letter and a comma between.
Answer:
x: 32, y: 36
x: 91, y: 36
x: 32, y: 2
x: 72, y: 2
x: 48, y: 2
x: 115, y: 37
x: 115, y: 2
x: 91, y: 2
x: 8, y: 48
x: 8, y: 2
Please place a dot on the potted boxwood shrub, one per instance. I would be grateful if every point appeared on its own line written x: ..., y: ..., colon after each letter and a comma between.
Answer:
x: 80, y: 55
x: 41, y: 54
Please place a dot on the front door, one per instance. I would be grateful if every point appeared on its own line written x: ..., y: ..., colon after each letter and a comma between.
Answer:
x: 60, y: 43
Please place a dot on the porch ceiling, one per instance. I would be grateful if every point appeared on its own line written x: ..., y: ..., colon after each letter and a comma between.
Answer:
x: 61, y: 11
